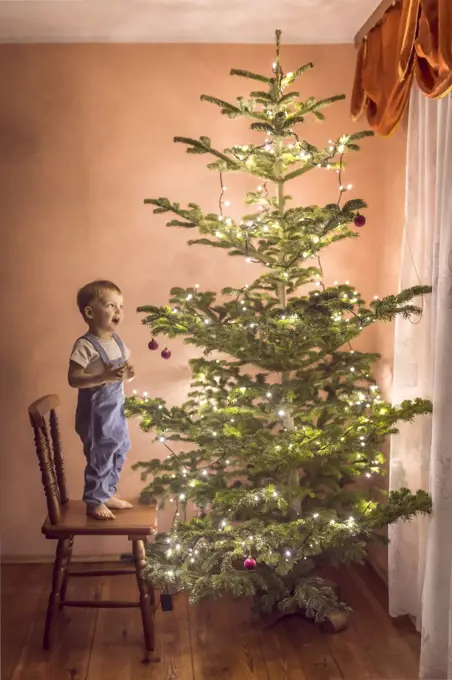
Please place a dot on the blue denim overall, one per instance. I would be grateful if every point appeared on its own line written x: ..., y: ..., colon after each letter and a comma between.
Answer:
x: 101, y: 425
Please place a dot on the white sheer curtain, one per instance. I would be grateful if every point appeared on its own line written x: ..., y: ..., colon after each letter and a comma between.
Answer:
x: 420, y: 552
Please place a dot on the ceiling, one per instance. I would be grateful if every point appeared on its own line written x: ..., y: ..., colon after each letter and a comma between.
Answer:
x: 188, y: 21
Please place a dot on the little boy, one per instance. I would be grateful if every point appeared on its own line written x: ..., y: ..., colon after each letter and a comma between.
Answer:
x: 98, y: 365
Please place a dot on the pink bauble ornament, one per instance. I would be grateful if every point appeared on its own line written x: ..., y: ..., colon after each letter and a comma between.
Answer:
x: 153, y: 344
x: 166, y: 353
x: 359, y: 220
x: 250, y: 563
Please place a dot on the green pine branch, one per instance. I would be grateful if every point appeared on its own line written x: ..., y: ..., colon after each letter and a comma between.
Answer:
x: 282, y: 415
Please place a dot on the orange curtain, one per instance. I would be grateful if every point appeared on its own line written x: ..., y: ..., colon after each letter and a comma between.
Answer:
x: 409, y: 19
x: 433, y: 62
x: 414, y: 39
x: 378, y: 92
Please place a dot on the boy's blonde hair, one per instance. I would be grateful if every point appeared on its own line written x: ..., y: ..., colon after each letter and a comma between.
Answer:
x: 93, y: 291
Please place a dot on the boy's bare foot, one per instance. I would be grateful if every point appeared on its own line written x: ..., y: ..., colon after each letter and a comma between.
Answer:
x: 99, y: 511
x: 117, y: 504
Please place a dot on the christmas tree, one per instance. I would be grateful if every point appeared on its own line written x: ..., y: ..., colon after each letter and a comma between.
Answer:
x: 282, y: 417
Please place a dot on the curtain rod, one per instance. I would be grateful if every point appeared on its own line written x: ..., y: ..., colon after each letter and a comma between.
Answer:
x: 373, y: 20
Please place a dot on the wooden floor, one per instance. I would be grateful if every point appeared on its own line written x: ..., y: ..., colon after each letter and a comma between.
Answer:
x: 211, y: 642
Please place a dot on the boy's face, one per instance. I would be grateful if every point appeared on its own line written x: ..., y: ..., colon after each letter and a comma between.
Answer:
x: 106, y: 313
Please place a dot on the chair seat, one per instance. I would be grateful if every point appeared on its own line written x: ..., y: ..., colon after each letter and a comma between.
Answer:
x: 139, y: 521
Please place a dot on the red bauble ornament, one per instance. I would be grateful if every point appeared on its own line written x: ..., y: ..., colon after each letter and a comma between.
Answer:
x: 359, y: 220
x: 250, y: 563
x: 166, y: 353
x: 153, y: 344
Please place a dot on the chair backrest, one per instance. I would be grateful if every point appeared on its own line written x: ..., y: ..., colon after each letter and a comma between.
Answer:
x: 44, y: 420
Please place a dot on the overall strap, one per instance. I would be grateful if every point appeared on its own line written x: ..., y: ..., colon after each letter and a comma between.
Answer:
x: 98, y: 347
x: 120, y: 345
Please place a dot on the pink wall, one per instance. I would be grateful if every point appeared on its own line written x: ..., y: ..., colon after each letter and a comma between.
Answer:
x: 86, y: 135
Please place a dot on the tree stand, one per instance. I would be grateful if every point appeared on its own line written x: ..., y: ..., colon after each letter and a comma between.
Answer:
x: 335, y: 622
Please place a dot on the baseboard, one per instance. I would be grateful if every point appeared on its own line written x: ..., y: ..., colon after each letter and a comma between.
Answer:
x: 381, y: 572
x: 48, y: 559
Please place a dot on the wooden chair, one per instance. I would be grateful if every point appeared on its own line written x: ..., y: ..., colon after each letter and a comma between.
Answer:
x: 67, y: 519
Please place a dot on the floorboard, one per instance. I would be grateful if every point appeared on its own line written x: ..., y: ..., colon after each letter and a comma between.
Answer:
x: 211, y: 641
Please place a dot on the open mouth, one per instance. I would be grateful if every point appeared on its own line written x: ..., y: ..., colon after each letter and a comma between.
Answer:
x: 116, y: 321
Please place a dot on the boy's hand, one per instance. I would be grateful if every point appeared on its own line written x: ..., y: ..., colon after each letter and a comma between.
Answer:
x: 130, y: 372
x: 116, y: 374
x: 78, y: 378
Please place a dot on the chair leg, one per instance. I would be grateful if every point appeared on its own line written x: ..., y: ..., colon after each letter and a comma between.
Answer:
x: 54, y: 597
x: 151, y: 591
x: 69, y: 544
x: 147, y: 612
